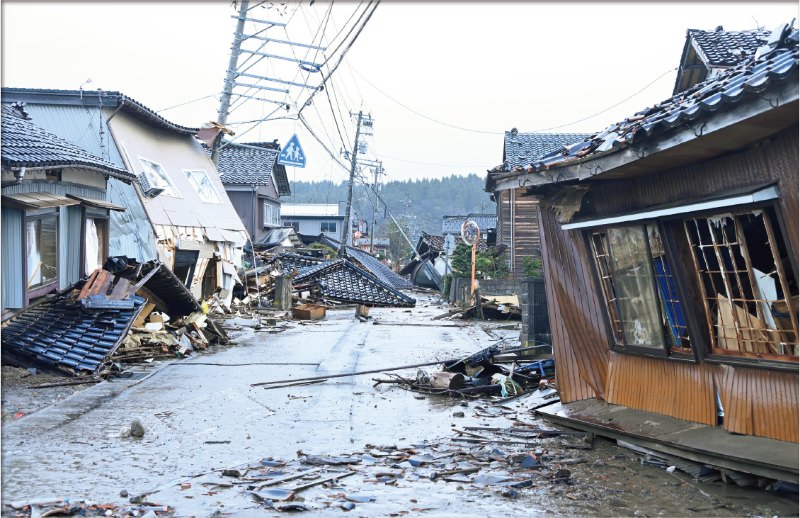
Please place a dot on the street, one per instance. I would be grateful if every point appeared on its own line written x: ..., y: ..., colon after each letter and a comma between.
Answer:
x: 201, y: 415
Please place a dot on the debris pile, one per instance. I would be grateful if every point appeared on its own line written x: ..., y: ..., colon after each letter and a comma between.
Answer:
x: 481, y: 460
x: 489, y: 372
x: 330, y: 282
x: 84, y: 508
x: 124, y: 312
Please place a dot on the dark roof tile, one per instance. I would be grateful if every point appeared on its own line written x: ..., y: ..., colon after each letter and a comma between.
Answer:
x: 24, y: 144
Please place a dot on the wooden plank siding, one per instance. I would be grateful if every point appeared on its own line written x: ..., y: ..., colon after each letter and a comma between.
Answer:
x: 580, y: 339
x: 771, y: 160
x: 756, y: 401
x: 678, y: 389
x: 759, y: 402
x: 522, y: 232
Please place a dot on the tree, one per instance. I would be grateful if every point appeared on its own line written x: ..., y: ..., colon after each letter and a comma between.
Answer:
x: 488, y: 263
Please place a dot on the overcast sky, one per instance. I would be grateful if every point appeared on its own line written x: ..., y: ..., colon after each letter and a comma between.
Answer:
x: 441, y: 81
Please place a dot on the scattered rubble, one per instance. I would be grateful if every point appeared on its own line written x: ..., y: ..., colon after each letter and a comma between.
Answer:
x: 125, y: 312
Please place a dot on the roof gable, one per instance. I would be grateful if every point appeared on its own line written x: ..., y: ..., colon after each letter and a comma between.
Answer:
x: 705, y: 51
x: 94, y: 99
x: 253, y: 163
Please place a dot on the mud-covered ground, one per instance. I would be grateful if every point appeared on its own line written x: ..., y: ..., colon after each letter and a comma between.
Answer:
x: 20, y: 397
x: 203, y: 415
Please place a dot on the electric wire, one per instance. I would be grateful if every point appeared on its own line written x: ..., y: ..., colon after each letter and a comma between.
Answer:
x: 502, y: 132
x: 341, y: 56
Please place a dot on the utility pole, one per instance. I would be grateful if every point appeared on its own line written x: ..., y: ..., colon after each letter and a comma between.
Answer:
x: 230, y: 77
x: 348, y: 206
x: 238, y: 72
x: 378, y: 170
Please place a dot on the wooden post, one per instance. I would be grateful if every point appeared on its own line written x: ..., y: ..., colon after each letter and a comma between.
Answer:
x: 283, y: 293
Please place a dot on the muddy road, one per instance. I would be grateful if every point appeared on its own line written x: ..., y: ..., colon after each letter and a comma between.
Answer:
x: 383, y: 451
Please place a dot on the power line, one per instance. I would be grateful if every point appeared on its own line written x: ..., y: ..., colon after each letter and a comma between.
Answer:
x: 341, y: 56
x: 502, y: 132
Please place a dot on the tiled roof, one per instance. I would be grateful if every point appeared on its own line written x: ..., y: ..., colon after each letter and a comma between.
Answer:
x: 63, y: 334
x: 370, y: 263
x: 24, y: 144
x: 253, y: 164
x: 340, y: 280
x: 721, y: 48
x: 93, y: 98
x: 520, y: 149
x: 729, y: 89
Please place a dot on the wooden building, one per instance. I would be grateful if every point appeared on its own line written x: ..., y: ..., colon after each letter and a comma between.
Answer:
x: 670, y: 245
x: 517, y: 217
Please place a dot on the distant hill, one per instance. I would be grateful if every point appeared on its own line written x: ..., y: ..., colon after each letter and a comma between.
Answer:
x: 417, y: 204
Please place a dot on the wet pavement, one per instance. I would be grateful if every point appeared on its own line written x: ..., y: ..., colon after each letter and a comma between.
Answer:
x: 201, y: 415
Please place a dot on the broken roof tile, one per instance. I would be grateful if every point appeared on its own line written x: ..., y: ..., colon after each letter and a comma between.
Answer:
x: 340, y: 280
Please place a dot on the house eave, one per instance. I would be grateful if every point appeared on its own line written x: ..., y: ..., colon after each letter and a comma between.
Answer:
x: 701, y: 139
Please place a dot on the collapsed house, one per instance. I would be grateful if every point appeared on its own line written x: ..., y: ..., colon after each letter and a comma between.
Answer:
x: 359, y: 278
x: 188, y: 223
x: 670, y: 244
x: 428, y: 265
x: 55, y: 217
x: 79, y: 330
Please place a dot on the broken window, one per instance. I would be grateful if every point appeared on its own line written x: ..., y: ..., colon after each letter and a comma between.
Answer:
x: 748, y: 284
x: 95, y: 243
x: 41, y: 238
x: 184, y: 264
x: 327, y: 226
x: 201, y: 183
x: 158, y: 177
x: 639, y: 289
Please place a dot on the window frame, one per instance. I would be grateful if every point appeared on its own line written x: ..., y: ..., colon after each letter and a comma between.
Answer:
x: 104, y: 246
x: 275, y: 209
x: 335, y: 227
x: 708, y: 353
x: 53, y: 284
x: 175, y: 193
x: 664, y: 351
x: 688, y: 284
x: 188, y: 174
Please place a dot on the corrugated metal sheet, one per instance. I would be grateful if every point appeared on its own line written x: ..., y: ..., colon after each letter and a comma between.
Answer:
x: 678, y: 389
x: 83, y: 126
x: 131, y: 233
x: 759, y: 402
x: 11, y: 263
x: 580, y: 339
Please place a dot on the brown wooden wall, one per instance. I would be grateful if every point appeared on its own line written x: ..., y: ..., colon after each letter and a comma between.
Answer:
x: 756, y: 401
x: 772, y: 160
x: 759, y: 402
x: 678, y: 389
x: 577, y: 325
x: 526, y: 227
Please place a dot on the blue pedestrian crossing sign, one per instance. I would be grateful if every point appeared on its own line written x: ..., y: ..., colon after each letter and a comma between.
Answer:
x: 292, y: 154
